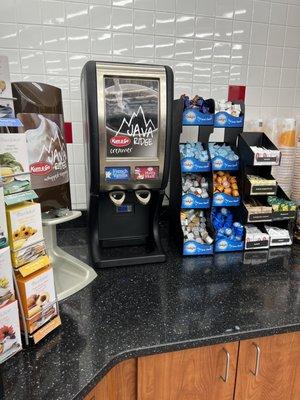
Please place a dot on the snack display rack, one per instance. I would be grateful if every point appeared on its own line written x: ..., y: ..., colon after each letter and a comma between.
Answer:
x: 185, y: 207
x: 260, y: 163
x: 10, y: 340
x: 35, y: 260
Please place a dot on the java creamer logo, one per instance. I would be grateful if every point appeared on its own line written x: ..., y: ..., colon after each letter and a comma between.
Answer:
x: 218, y: 163
x: 190, y: 116
x: 188, y: 164
x: 218, y: 199
x: 191, y: 248
x: 221, y: 119
x: 138, y: 128
x: 188, y: 201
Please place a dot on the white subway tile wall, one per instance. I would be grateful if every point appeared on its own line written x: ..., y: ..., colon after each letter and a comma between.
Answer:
x: 208, y: 43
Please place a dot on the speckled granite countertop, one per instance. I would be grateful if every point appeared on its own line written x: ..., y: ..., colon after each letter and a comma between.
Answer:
x: 134, y: 311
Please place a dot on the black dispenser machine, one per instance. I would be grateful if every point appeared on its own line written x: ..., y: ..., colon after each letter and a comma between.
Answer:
x: 127, y: 111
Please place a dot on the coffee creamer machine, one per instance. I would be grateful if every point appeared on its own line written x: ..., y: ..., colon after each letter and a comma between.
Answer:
x: 127, y: 110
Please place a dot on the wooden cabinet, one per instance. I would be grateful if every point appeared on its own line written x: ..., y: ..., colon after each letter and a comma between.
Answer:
x: 266, y: 368
x: 206, y: 373
x: 119, y: 384
x: 269, y: 368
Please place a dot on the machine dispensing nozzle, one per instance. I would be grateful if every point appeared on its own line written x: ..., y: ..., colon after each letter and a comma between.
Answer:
x: 117, y: 197
x: 143, y: 196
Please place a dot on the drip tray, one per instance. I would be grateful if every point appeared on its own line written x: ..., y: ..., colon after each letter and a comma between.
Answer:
x: 70, y: 273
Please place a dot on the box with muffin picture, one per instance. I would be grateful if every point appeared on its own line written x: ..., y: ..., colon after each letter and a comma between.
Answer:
x: 7, y: 292
x: 24, y: 224
x: 3, y: 226
x: 10, y: 335
x: 14, y: 165
x: 38, y: 297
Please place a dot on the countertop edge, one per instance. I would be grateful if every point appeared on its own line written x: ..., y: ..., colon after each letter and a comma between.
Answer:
x: 187, y: 344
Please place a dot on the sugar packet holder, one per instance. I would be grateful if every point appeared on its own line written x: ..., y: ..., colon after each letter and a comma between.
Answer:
x: 229, y: 114
x: 197, y: 111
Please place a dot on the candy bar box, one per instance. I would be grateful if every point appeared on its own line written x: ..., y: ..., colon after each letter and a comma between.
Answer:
x: 256, y: 238
x: 258, y: 149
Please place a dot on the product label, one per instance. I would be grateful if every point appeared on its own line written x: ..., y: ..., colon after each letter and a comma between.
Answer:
x: 283, y: 240
x: 47, y: 149
x: 278, y: 215
x: 131, y: 117
x: 221, y: 164
x: 191, y: 164
x: 34, y: 266
x: 45, y: 330
x: 261, y: 159
x: 192, y: 248
x: 263, y: 189
x: 260, y: 217
x: 193, y: 201
x: 141, y: 173
x: 255, y: 244
x: 224, y: 120
x: 223, y: 199
x: 20, y: 197
x: 228, y: 245
x: 117, y: 174
x: 192, y: 116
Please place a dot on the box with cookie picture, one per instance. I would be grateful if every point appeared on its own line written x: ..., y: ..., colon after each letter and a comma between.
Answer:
x: 38, y: 298
x: 14, y: 165
x: 10, y: 335
x: 24, y: 224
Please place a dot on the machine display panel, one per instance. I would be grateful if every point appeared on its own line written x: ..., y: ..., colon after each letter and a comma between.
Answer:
x: 131, y: 117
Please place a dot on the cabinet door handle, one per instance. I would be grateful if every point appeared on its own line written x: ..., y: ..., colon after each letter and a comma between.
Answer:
x: 257, y: 360
x: 226, y: 374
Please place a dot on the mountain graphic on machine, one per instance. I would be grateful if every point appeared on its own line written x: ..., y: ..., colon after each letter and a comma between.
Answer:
x: 137, y: 125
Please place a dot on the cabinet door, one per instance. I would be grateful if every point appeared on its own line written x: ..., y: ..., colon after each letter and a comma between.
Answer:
x: 269, y: 368
x: 206, y: 373
x: 119, y: 383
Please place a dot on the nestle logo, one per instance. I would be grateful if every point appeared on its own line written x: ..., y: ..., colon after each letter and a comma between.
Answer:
x: 120, y: 141
x: 218, y: 163
x: 188, y: 164
x: 188, y: 201
x: 40, y: 168
x: 222, y: 119
x: 191, y: 248
x: 190, y: 115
